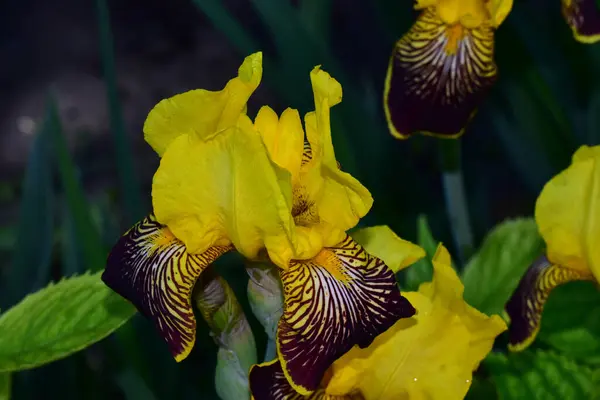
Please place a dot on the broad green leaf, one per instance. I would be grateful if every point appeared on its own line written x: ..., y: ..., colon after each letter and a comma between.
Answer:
x: 5, y: 384
x: 59, y: 320
x: 538, y: 374
x: 571, y: 321
x: 422, y: 270
x: 495, y: 270
x: 130, y: 190
x: 31, y: 258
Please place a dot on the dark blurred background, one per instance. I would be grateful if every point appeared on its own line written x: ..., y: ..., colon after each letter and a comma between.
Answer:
x: 545, y: 104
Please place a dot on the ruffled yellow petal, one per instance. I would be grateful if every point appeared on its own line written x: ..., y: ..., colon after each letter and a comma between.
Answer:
x: 225, y: 190
x: 203, y: 113
x: 383, y: 243
x: 568, y: 215
x: 499, y: 10
x: 340, y: 199
x: 283, y: 137
x: 431, y: 355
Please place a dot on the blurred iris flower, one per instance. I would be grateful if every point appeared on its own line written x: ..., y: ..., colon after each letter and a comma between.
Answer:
x: 429, y: 356
x: 568, y: 218
x: 583, y: 17
x: 227, y: 183
x: 441, y: 70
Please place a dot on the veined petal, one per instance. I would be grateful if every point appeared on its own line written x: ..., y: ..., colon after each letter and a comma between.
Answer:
x: 268, y: 382
x: 152, y: 269
x: 527, y: 302
x: 437, y: 77
x: 341, y: 298
x: 567, y: 213
x: 203, y: 113
x: 226, y: 190
x: 583, y: 17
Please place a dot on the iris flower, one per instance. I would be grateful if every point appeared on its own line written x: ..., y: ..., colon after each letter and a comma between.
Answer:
x: 227, y: 183
x: 583, y: 17
x: 567, y: 216
x: 429, y: 356
x: 441, y: 70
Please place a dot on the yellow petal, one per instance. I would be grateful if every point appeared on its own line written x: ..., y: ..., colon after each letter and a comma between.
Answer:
x: 431, y: 355
x: 203, y: 113
x: 383, y: 243
x: 283, y: 137
x: 339, y: 199
x: 225, y: 190
x: 567, y: 213
x: 499, y: 10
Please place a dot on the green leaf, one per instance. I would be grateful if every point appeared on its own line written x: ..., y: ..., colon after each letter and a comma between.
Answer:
x: 495, y: 270
x: 537, y: 374
x: 92, y: 249
x: 30, y: 267
x: 5, y: 384
x: 571, y: 321
x: 422, y: 270
x: 59, y: 320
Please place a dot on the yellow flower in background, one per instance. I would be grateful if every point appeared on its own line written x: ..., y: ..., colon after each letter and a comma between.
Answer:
x: 228, y: 183
x: 441, y: 70
x: 583, y: 17
x: 429, y: 356
x: 567, y: 213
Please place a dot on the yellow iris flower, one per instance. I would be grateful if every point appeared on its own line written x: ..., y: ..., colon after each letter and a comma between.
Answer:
x: 258, y: 187
x: 443, y: 67
x: 429, y: 356
x: 583, y: 17
x: 567, y: 216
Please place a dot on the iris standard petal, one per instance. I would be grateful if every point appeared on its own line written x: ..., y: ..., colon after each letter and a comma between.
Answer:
x: 203, y: 113
x: 437, y: 77
x: 342, y: 297
x: 526, y: 305
x: 152, y: 269
x: 226, y: 190
x: 583, y: 17
x: 567, y: 213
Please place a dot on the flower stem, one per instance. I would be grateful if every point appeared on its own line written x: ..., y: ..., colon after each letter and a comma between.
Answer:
x: 454, y: 194
x: 231, y: 331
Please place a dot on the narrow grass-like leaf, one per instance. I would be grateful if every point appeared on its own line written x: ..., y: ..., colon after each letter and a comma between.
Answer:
x: 537, y: 374
x: 30, y: 267
x: 495, y: 270
x: 93, y: 252
x: 130, y: 189
x: 422, y: 270
x: 133, y: 386
x: 5, y: 385
x: 59, y: 320
x: 70, y: 255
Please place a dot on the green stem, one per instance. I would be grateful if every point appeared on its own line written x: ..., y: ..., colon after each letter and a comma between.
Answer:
x: 455, y: 198
x: 231, y: 331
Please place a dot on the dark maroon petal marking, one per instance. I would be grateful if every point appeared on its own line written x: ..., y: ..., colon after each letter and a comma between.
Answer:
x: 526, y: 305
x: 341, y: 298
x: 583, y: 16
x: 437, y: 77
x: 151, y: 268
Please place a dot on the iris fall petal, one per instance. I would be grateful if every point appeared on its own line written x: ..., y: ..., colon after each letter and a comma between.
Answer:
x: 583, y: 17
x: 152, y: 269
